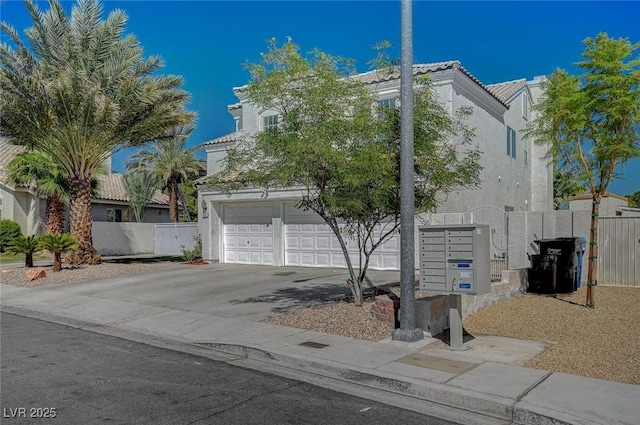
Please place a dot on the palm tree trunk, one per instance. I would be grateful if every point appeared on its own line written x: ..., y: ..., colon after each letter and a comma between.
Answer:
x: 81, y: 222
x: 173, y: 200
x: 57, y: 261
x: 28, y: 259
x: 55, y: 215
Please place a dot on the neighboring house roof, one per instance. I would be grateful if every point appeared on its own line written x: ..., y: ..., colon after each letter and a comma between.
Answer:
x: 111, y: 188
x: 504, y: 91
x: 231, y: 137
x: 606, y: 195
x: 7, y: 152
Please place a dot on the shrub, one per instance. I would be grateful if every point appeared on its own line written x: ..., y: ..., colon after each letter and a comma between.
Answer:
x: 26, y: 245
x: 9, y: 230
x: 58, y: 244
x: 194, y: 254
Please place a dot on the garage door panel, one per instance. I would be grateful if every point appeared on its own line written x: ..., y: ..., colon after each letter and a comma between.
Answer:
x: 321, y: 242
x: 248, y: 234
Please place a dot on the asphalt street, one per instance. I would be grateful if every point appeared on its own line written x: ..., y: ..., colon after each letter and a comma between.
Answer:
x: 52, y: 373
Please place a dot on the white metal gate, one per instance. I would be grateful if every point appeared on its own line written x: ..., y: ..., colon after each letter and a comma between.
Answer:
x: 172, y: 238
x: 619, y: 251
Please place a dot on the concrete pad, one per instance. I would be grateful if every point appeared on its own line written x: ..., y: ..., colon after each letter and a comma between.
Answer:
x: 416, y: 372
x: 363, y: 354
x: 496, y: 349
x: 417, y: 345
x: 291, y: 343
x: 436, y: 363
x: 101, y: 311
x: 499, y: 379
x: 174, y: 322
x: 594, y: 401
x: 256, y: 334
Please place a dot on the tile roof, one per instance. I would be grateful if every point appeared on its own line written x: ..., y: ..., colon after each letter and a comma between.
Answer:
x: 7, y: 152
x: 377, y: 76
x: 504, y: 91
x: 231, y: 137
x: 111, y: 187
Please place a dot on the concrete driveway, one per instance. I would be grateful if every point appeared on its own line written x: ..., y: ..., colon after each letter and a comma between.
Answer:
x: 227, y: 290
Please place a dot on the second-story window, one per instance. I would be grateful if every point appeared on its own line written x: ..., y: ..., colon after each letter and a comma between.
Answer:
x: 270, y: 121
x: 526, y: 108
x: 511, y: 142
x: 387, y: 103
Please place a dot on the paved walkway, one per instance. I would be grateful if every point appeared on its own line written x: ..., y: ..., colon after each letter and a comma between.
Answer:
x: 219, y: 307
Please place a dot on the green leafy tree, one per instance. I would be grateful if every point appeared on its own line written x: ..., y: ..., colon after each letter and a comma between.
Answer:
x: 42, y: 173
x: 9, y: 230
x: 564, y: 187
x: 591, y: 123
x: 343, y: 155
x: 79, y: 89
x: 170, y: 162
x: 58, y: 244
x: 26, y: 245
x: 140, y: 185
x: 634, y: 199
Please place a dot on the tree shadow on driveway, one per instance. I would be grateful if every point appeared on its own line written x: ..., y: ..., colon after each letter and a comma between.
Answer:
x: 291, y: 298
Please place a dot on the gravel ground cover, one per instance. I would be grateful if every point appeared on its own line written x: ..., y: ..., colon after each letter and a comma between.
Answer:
x: 17, y: 277
x: 603, y: 342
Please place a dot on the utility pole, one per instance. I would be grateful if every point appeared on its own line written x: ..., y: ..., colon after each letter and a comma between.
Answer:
x: 407, y: 331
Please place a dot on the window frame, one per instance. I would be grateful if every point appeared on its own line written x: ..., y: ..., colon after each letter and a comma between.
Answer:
x: 526, y: 109
x: 268, y: 125
x: 511, y: 142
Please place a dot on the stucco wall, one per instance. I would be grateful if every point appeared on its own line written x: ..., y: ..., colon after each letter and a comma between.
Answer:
x: 123, y: 238
x: 527, y: 227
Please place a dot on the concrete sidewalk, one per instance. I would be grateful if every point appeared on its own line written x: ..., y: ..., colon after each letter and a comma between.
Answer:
x: 425, y: 371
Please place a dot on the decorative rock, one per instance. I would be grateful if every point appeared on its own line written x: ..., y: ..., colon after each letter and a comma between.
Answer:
x: 36, y: 273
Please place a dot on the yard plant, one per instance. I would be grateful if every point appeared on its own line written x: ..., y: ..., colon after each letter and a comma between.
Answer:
x: 591, y: 123
x: 26, y: 245
x: 79, y: 89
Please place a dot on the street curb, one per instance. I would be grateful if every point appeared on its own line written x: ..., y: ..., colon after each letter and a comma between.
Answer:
x: 491, y: 406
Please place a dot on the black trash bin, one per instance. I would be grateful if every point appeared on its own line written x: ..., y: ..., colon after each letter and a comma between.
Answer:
x: 555, y: 269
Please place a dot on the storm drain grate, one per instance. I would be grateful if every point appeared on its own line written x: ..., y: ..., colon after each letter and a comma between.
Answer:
x: 313, y: 344
x: 283, y: 274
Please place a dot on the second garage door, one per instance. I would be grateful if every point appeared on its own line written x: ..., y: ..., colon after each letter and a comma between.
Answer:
x: 311, y: 242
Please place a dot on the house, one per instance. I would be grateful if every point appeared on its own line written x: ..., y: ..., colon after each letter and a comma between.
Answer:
x: 247, y: 228
x: 611, y: 205
x: 22, y: 205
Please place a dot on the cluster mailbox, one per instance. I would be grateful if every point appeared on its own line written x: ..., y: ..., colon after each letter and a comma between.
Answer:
x: 455, y: 259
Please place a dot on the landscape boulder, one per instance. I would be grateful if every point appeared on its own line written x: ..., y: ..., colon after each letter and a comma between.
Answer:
x: 35, y: 273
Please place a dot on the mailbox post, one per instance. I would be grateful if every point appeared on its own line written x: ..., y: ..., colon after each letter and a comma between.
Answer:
x: 454, y: 259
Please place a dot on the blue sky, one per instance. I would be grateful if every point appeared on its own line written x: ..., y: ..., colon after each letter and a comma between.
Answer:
x: 208, y: 42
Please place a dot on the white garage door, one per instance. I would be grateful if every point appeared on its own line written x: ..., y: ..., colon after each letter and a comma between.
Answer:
x: 310, y: 242
x: 248, y: 234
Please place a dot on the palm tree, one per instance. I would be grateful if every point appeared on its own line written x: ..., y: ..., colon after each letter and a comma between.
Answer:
x: 58, y: 244
x: 140, y: 185
x: 26, y: 245
x: 80, y: 89
x: 170, y: 162
x: 43, y: 174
